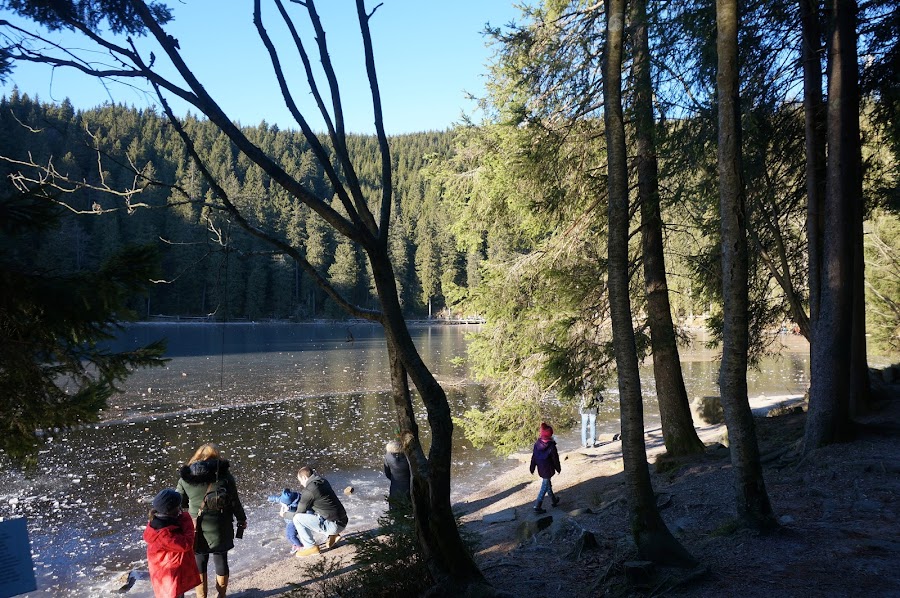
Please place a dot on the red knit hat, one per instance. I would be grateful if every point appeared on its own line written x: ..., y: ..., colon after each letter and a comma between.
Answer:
x: 546, y: 431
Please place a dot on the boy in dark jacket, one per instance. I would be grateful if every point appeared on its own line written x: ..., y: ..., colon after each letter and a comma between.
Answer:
x: 318, y: 511
x: 170, y: 547
x: 545, y: 458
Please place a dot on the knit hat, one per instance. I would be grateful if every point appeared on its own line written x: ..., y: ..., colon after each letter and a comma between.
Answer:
x: 546, y: 431
x: 167, y: 503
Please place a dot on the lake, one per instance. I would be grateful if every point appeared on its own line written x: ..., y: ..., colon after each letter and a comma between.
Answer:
x: 274, y: 397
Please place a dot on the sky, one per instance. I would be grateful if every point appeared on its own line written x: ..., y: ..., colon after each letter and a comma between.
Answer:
x: 429, y: 56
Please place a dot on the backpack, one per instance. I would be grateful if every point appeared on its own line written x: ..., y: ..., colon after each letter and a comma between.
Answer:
x: 216, y: 499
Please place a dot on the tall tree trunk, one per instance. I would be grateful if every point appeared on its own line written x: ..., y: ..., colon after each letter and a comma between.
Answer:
x: 652, y: 537
x: 752, y: 499
x: 449, y: 562
x: 829, y: 397
x: 678, y: 430
x: 814, y: 115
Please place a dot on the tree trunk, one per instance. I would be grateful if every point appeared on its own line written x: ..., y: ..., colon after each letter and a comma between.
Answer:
x: 652, y: 537
x: 814, y: 115
x: 753, y: 504
x: 448, y: 560
x: 678, y: 430
x: 860, y: 395
x: 829, y: 397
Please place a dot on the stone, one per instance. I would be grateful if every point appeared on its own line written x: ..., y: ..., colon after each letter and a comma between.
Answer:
x: 132, y: 582
x: 708, y: 410
x: 348, y: 490
x: 124, y: 582
x: 500, y: 517
x: 889, y: 375
x: 785, y: 520
x: 531, y: 527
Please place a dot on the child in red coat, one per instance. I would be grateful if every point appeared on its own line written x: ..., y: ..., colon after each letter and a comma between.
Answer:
x: 170, y: 547
x: 545, y: 458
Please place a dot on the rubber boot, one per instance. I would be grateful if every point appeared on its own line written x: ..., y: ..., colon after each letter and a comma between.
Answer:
x: 221, y: 585
x: 201, y: 589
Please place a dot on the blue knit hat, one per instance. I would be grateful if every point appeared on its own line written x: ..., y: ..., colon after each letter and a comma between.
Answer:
x: 167, y: 503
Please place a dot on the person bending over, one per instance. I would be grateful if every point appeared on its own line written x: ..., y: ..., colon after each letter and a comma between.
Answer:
x: 328, y: 515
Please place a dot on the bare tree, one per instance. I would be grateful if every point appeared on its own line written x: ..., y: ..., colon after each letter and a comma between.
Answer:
x: 452, y: 567
x: 752, y: 500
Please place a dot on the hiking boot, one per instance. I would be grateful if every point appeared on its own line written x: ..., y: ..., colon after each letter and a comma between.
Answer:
x: 539, y: 510
x: 332, y: 540
x: 555, y: 501
x: 308, y: 551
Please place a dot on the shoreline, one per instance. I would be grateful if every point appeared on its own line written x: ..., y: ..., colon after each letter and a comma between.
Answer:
x: 495, y: 510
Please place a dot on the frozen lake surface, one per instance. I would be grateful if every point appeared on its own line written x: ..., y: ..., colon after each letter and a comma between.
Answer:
x: 274, y: 397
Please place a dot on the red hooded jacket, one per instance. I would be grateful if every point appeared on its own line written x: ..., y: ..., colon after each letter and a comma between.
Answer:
x: 170, y: 555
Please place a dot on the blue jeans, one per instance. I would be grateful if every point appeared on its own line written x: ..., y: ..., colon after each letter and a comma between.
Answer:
x: 308, y: 523
x: 546, y: 488
x: 290, y: 532
x: 588, y: 418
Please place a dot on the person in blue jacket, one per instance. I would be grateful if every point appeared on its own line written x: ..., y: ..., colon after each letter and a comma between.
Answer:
x: 288, y: 500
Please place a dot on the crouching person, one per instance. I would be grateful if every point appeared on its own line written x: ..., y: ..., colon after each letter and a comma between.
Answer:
x: 318, y: 511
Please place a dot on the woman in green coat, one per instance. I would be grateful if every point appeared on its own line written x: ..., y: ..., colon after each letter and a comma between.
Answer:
x: 209, y: 492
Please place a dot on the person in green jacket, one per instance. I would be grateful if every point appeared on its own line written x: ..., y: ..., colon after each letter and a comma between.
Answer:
x: 210, y: 494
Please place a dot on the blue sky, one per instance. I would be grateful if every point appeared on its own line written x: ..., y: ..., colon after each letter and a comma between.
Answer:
x: 428, y: 55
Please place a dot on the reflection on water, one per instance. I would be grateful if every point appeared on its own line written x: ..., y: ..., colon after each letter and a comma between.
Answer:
x: 274, y: 397
x: 234, y: 364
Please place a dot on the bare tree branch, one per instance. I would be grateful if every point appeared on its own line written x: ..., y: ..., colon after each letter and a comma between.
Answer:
x: 238, y: 217
x: 311, y: 137
x: 387, y: 186
x: 339, y: 138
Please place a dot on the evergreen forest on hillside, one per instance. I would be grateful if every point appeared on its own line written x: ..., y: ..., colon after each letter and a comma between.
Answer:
x: 211, y: 268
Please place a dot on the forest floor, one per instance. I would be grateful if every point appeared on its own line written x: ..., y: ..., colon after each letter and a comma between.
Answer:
x: 838, y: 511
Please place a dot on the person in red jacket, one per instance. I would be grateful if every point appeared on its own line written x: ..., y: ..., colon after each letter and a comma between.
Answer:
x: 545, y: 458
x: 170, y: 547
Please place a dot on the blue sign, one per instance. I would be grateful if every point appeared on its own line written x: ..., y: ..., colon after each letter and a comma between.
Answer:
x: 16, y: 568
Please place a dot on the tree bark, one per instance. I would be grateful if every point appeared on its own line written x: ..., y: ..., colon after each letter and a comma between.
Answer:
x: 678, y: 430
x: 814, y: 117
x: 652, y: 537
x: 829, y: 397
x: 753, y: 504
x: 452, y: 567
